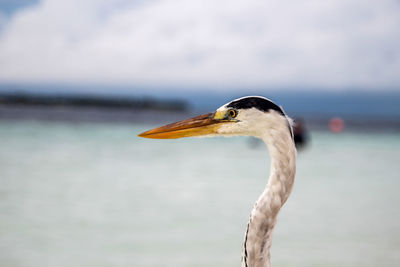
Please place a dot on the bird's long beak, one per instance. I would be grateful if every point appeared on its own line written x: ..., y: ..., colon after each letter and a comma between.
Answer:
x: 206, y: 124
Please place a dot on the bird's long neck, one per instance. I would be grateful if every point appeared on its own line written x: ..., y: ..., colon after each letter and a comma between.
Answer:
x: 257, y: 243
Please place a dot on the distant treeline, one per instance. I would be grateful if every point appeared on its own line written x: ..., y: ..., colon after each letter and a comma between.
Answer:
x: 82, y: 101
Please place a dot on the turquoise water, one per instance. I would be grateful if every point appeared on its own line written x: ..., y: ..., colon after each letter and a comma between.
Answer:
x: 96, y: 195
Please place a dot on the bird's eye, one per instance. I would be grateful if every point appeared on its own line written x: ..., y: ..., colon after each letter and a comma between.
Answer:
x: 232, y: 113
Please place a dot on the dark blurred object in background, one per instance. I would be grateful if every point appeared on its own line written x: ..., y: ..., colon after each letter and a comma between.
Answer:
x: 301, y: 136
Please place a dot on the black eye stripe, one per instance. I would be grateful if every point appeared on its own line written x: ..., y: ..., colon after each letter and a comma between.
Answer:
x: 255, y: 102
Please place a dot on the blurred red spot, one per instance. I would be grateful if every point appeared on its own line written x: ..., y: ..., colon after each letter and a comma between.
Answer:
x: 336, y: 125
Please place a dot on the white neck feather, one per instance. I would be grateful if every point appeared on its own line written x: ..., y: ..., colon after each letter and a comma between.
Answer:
x: 257, y: 243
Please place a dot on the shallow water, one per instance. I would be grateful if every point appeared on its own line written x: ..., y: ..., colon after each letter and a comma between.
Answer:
x: 96, y: 195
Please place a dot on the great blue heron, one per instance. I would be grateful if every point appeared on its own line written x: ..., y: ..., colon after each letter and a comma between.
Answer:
x: 259, y: 117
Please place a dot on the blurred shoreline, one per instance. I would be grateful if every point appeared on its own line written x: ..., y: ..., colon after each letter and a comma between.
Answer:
x: 95, y: 101
x: 88, y: 108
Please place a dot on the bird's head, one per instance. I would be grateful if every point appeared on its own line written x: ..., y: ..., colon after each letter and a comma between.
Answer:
x: 251, y: 115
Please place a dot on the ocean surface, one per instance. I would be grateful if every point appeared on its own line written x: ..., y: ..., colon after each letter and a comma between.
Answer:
x: 94, y: 194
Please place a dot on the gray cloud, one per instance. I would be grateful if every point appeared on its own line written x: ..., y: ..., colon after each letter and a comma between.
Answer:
x: 330, y: 44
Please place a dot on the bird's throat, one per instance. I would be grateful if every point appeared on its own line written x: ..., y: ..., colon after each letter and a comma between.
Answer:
x: 257, y: 244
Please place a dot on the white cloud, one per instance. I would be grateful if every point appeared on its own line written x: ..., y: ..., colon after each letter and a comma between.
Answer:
x: 331, y: 44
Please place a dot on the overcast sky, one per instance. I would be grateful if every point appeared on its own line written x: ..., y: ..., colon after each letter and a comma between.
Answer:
x: 331, y: 44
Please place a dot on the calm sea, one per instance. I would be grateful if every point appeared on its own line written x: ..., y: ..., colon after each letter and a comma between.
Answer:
x: 82, y: 194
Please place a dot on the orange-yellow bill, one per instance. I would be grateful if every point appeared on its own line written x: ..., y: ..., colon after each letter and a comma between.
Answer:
x: 201, y: 125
